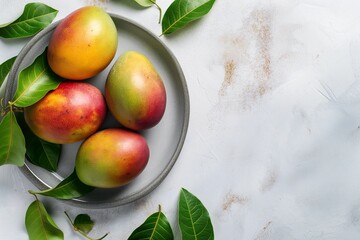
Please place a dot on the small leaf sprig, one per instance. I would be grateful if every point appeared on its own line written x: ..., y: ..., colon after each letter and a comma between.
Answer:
x: 40, y: 225
x: 69, y: 188
x: 83, y: 224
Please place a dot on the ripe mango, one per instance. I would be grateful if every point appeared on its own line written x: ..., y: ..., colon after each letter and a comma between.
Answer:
x: 83, y: 44
x: 134, y: 92
x: 111, y: 158
x: 70, y: 113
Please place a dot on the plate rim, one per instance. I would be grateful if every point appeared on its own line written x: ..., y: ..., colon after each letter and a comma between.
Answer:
x: 78, y: 202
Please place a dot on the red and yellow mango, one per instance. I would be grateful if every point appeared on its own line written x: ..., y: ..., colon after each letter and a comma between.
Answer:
x: 68, y: 114
x: 83, y: 44
x: 111, y: 158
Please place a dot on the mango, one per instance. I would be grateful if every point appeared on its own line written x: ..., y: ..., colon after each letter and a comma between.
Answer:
x: 70, y: 113
x: 134, y: 92
x: 111, y: 158
x: 83, y: 44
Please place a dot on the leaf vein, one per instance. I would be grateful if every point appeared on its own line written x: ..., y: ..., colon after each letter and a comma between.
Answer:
x: 30, y: 85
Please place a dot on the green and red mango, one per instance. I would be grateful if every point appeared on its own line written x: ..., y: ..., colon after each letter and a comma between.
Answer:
x: 135, y: 92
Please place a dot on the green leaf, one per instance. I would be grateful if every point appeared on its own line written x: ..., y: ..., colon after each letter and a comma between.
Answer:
x: 35, y: 17
x: 145, y: 3
x: 194, y: 219
x: 155, y: 227
x: 38, y: 151
x: 39, y: 224
x: 34, y: 82
x: 5, y: 68
x: 83, y: 223
x: 181, y: 12
x: 71, y: 187
x: 12, y: 141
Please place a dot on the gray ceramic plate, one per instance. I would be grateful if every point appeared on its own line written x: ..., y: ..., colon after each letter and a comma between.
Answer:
x: 165, y: 140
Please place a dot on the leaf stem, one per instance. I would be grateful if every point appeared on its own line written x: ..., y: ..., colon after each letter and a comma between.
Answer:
x: 4, y: 109
x: 72, y: 224
x: 87, y: 237
x: 102, y: 237
x: 33, y: 193
x: 83, y: 234
x: 160, y: 10
x: 12, y: 108
x: 17, y: 109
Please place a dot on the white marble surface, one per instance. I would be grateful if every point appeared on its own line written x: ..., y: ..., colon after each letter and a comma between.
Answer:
x: 273, y: 146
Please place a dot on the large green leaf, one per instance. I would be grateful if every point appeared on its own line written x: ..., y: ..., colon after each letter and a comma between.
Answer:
x: 38, y: 151
x: 71, y: 187
x: 34, y: 82
x: 155, y: 227
x: 39, y: 224
x: 35, y: 17
x: 12, y: 141
x: 194, y: 219
x: 5, y: 68
x: 181, y: 12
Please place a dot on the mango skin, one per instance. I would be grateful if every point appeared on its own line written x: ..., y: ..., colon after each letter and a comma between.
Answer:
x: 83, y: 44
x: 134, y: 92
x: 111, y: 158
x: 68, y: 114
